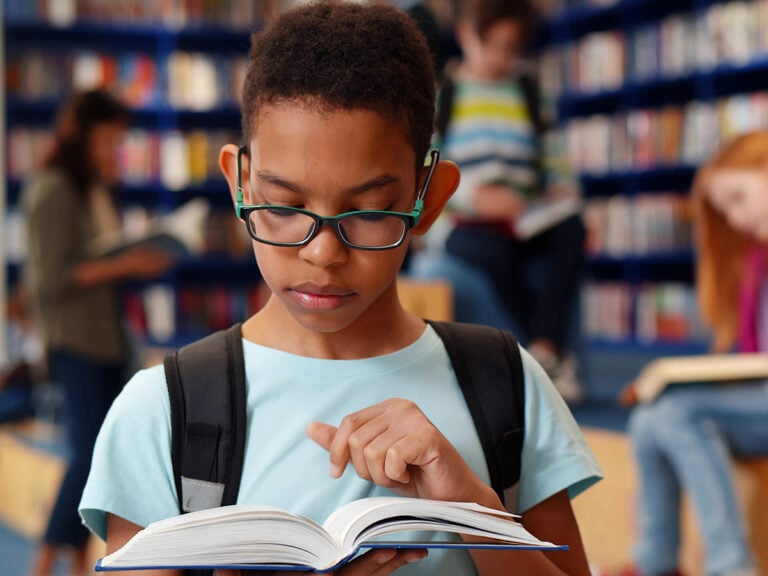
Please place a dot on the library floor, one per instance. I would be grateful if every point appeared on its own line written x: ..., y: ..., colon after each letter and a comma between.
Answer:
x: 17, y: 552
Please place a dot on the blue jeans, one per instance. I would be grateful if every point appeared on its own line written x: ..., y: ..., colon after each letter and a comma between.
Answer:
x: 537, y: 281
x: 474, y: 296
x: 89, y: 388
x: 683, y: 443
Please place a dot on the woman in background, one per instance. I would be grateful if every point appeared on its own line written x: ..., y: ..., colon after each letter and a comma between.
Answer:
x: 68, y: 204
x: 684, y: 440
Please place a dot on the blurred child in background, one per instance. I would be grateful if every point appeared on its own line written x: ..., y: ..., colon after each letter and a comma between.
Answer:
x: 684, y: 440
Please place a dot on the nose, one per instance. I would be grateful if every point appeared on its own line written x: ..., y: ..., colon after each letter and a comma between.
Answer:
x: 325, y: 249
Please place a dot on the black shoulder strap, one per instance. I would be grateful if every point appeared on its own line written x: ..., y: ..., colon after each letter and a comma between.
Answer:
x: 489, y: 369
x: 531, y: 93
x: 206, y: 385
x: 444, y: 107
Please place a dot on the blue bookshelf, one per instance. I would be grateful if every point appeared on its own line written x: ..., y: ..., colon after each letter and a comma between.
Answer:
x: 728, y: 76
x: 115, y: 37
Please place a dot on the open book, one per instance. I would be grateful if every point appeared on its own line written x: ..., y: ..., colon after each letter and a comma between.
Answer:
x: 538, y: 216
x: 543, y: 215
x: 181, y: 232
x: 250, y: 536
x: 702, y: 368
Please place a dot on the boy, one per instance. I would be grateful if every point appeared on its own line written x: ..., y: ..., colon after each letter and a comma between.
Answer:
x: 490, y: 126
x: 337, y: 117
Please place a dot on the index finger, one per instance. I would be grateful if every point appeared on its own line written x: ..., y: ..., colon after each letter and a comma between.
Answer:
x: 341, y: 446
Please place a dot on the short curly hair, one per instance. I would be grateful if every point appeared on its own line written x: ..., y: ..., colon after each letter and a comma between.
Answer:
x: 346, y: 56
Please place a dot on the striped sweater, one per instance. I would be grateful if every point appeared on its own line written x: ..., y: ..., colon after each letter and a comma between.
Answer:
x: 492, y: 139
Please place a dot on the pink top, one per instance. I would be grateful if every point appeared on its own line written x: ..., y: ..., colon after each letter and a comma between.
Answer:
x: 750, y: 306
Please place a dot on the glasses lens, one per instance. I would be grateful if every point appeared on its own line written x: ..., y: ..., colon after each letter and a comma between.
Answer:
x: 280, y: 225
x: 372, y: 229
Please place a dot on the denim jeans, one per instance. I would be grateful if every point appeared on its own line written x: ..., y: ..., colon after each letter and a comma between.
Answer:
x: 89, y: 388
x: 536, y: 281
x: 474, y: 296
x: 683, y: 443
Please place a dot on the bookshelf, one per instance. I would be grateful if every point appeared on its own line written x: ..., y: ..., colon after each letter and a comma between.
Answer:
x: 179, y: 67
x: 640, y: 93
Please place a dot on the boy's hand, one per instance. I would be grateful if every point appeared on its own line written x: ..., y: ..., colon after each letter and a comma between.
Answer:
x: 394, y: 445
x: 374, y: 563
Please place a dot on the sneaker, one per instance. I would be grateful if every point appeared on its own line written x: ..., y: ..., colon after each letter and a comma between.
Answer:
x: 566, y: 380
x: 562, y: 371
x: 545, y: 356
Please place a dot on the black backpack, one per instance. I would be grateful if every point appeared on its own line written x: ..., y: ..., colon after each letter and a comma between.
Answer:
x: 206, y: 384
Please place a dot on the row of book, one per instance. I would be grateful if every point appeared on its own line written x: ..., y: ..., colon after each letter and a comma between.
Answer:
x: 673, y: 135
x: 223, y: 235
x: 173, y: 14
x: 553, y: 7
x: 173, y: 159
x: 731, y: 33
x: 646, y: 313
x: 186, y: 81
x: 645, y: 224
x: 162, y: 312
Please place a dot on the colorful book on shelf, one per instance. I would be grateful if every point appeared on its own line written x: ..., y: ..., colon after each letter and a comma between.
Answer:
x: 180, y: 233
x: 659, y: 374
x: 258, y: 537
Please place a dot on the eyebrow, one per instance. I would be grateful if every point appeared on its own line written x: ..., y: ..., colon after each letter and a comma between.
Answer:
x: 373, y: 184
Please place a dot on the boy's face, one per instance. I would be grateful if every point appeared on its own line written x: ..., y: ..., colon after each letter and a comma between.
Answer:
x: 492, y: 56
x: 328, y: 162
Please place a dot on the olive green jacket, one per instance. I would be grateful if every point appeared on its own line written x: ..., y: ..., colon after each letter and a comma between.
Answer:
x: 86, y: 321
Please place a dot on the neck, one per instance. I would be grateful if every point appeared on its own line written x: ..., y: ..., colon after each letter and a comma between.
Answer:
x: 383, y: 328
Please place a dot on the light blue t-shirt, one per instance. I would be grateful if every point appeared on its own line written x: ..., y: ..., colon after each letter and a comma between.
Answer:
x: 132, y: 475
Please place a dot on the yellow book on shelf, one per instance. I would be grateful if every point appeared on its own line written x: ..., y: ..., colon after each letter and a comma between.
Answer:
x: 657, y: 375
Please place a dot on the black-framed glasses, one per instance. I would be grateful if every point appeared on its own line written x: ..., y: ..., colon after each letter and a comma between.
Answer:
x: 361, y: 229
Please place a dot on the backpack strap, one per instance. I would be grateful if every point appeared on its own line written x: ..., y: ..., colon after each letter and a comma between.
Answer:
x: 489, y: 369
x: 444, y: 108
x: 208, y: 442
x: 206, y: 385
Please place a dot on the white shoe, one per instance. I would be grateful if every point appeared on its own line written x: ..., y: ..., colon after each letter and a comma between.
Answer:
x: 566, y: 380
x: 562, y: 372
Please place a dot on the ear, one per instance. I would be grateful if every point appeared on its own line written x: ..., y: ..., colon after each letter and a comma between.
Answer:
x: 228, y: 165
x: 445, y: 180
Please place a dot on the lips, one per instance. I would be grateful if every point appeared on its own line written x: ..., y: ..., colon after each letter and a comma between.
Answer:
x: 316, y: 297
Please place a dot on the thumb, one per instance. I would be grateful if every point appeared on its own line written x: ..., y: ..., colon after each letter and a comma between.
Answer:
x: 322, y: 434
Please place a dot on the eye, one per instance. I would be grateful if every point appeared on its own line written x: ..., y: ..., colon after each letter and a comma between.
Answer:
x: 282, y: 212
x: 371, y: 216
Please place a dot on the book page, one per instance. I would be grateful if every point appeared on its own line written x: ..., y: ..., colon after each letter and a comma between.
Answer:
x: 704, y: 368
x: 179, y: 232
x: 361, y: 520
x: 541, y: 216
x: 228, y: 535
